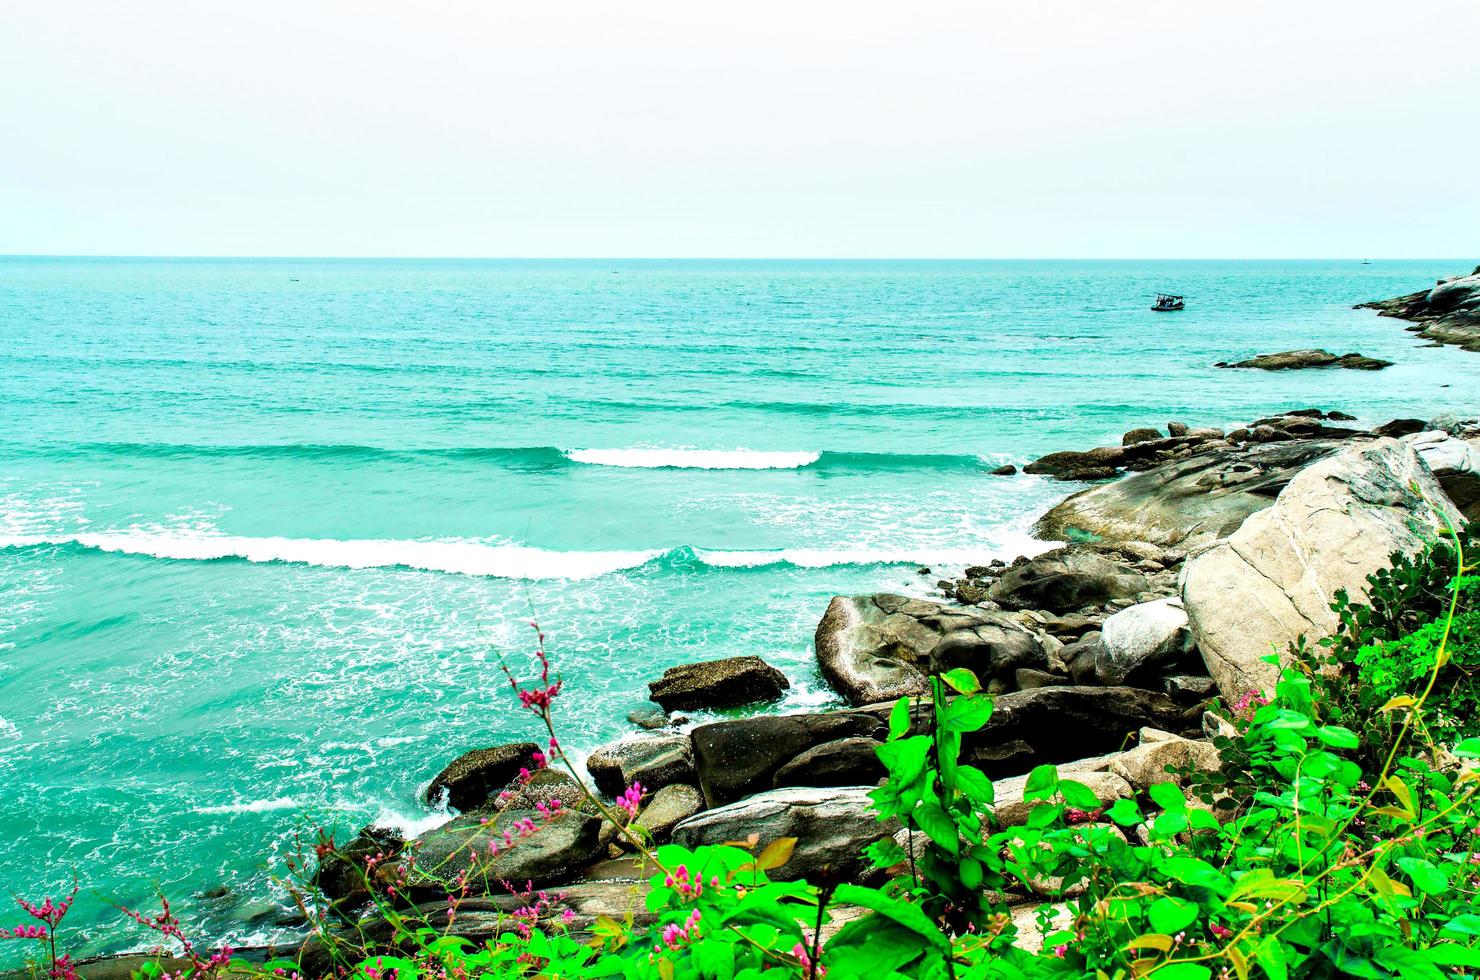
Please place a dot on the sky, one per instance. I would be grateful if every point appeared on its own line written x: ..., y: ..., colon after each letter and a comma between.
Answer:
x: 834, y: 128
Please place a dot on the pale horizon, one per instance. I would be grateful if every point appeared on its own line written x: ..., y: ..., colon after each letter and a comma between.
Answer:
x: 830, y: 131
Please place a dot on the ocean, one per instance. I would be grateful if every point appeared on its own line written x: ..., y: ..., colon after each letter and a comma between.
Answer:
x: 267, y: 526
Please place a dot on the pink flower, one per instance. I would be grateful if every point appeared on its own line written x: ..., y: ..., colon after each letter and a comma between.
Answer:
x: 631, y: 800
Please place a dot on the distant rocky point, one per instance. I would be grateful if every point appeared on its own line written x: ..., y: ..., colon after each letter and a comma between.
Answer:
x: 1448, y: 313
x: 1292, y: 360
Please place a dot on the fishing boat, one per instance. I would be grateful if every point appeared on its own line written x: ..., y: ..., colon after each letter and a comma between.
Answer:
x: 1167, y: 303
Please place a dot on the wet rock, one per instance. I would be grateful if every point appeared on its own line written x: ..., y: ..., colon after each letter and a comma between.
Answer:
x: 473, y: 777
x: 1064, y: 580
x: 1069, y: 464
x: 543, y: 788
x: 737, y: 758
x: 846, y: 762
x: 1189, y: 688
x: 1005, y: 470
x: 1400, y: 427
x: 726, y: 683
x: 831, y: 826
x: 1141, y: 637
x: 341, y: 874
x: 667, y: 808
x: 1188, y: 502
x: 1272, y: 580
x: 654, y: 761
x: 649, y: 718
x: 1310, y: 358
x: 1139, y: 435
x: 554, y: 854
x: 867, y: 646
x: 1176, y: 428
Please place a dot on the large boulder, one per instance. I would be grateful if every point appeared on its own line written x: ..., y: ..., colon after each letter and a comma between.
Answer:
x: 1187, y: 502
x: 1064, y: 580
x: 1062, y: 724
x: 667, y: 808
x: 881, y: 647
x: 544, y: 787
x: 1455, y: 464
x: 1272, y: 581
x: 1146, y: 765
x: 726, y: 683
x: 831, y: 827
x: 473, y: 777
x: 846, y: 762
x: 554, y: 853
x: 867, y: 646
x: 1142, y: 636
x: 741, y: 757
x: 654, y: 761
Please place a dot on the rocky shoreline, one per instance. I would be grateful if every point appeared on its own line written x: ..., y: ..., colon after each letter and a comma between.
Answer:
x: 1449, y: 313
x: 1105, y: 655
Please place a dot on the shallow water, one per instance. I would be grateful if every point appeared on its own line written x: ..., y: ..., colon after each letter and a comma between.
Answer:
x: 264, y: 525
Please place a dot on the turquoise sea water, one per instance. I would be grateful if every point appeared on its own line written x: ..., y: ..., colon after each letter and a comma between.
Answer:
x: 264, y: 524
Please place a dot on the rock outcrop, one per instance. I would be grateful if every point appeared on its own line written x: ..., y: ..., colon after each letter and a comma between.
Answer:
x: 726, y: 683
x: 1455, y: 463
x: 1448, y: 313
x: 741, y: 757
x: 1065, y: 580
x: 552, y: 855
x: 867, y: 646
x: 654, y: 761
x: 1187, y: 502
x: 473, y: 777
x: 1273, y: 579
x: 1142, y: 637
x: 1292, y: 360
x: 831, y: 826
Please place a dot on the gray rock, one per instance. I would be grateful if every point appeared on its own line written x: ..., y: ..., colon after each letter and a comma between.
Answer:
x: 1146, y: 764
x: 551, y: 855
x: 1135, y: 436
x: 1189, y: 688
x: 1455, y: 463
x: 473, y: 777
x: 1400, y: 427
x: 726, y: 683
x: 831, y: 826
x: 741, y: 757
x: 1188, y: 502
x: 1273, y: 580
x: 1448, y: 313
x: 1176, y: 428
x: 1028, y: 678
x: 1297, y: 359
x: 544, y: 787
x: 1005, y: 470
x: 867, y: 646
x: 1064, y: 580
x: 1142, y: 636
x: 846, y: 762
x: 667, y: 808
x: 654, y: 761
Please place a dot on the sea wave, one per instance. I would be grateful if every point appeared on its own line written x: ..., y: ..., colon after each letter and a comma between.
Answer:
x: 252, y: 806
x: 537, y: 457
x: 498, y: 560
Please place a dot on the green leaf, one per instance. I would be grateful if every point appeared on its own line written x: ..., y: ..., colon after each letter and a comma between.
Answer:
x: 905, y: 759
x: 966, y: 714
x: 970, y: 871
x: 963, y: 680
x: 1424, y: 874
x: 899, y: 719
x: 903, y: 913
x: 1337, y: 737
x: 1168, y: 796
x: 1172, y: 915
x: 1125, y: 812
x: 975, y: 784
x: 1183, y: 971
x: 1468, y: 749
x: 1408, y: 963
x: 1078, y: 795
x: 1271, y: 956
x: 1042, y: 783
x: 1464, y: 924
x: 938, y: 826
x: 885, y: 853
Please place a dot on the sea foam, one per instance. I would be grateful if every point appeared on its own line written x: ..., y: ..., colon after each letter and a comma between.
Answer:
x: 693, y: 459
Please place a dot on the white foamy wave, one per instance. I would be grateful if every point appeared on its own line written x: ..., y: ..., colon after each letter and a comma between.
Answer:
x: 694, y: 459
x: 252, y: 806
x: 828, y: 557
x: 411, y: 826
x: 458, y: 557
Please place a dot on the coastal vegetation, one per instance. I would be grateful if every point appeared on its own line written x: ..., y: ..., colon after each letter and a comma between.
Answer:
x: 1318, y: 819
